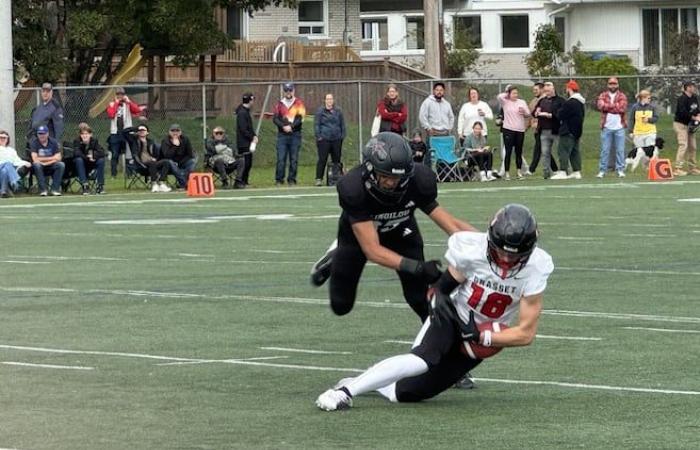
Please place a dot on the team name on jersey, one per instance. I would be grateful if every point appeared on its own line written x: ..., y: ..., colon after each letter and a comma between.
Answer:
x: 392, y: 215
x: 495, y: 286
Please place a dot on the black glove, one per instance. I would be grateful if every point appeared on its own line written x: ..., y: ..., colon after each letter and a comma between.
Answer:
x: 468, y: 330
x: 440, y: 308
x: 428, y: 271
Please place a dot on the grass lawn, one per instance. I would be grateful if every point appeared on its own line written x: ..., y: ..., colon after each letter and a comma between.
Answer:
x: 161, y: 322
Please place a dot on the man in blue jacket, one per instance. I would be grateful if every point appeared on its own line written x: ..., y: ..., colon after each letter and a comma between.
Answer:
x: 329, y: 129
x: 49, y: 114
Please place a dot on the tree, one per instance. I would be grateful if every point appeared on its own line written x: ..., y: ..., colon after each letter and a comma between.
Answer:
x: 684, y: 49
x: 462, y: 55
x: 544, y: 59
x: 77, y: 40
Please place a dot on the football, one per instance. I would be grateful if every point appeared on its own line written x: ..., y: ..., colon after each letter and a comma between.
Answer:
x: 476, y: 351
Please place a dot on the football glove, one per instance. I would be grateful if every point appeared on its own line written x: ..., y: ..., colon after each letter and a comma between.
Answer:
x: 428, y: 271
x: 468, y: 330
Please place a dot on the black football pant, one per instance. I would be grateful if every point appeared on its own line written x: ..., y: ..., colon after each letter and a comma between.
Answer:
x: 349, y: 261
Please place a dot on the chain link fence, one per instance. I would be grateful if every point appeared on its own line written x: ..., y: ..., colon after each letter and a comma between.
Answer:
x: 199, y: 107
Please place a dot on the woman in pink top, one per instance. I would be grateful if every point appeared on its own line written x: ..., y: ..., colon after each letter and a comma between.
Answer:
x: 515, y: 120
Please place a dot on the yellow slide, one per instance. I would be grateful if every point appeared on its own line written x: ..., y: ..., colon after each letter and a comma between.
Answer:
x: 134, y: 63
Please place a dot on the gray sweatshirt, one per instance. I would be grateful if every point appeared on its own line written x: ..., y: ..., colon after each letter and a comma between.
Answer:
x: 436, y: 115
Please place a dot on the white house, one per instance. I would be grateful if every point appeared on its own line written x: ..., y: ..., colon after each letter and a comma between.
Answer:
x: 503, y: 30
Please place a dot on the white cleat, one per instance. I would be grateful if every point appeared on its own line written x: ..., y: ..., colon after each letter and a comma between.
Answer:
x: 333, y: 400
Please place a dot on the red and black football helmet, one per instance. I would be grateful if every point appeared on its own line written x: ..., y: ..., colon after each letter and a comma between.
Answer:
x: 512, y: 238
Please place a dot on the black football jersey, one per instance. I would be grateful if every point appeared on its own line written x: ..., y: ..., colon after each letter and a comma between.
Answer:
x: 360, y: 206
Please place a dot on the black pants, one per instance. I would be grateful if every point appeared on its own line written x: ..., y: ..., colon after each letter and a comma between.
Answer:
x: 513, y: 140
x: 484, y: 160
x: 324, y: 148
x: 248, y: 161
x: 440, y: 348
x: 224, y: 170
x: 158, y: 170
x: 349, y: 261
x: 537, y: 153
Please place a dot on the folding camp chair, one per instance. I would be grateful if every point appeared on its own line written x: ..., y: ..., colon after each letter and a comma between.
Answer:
x: 448, y: 165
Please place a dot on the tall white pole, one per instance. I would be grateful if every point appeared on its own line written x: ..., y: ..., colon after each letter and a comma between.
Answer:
x: 7, y: 98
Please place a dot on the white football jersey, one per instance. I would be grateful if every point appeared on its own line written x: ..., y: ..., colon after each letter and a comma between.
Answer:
x: 492, y: 298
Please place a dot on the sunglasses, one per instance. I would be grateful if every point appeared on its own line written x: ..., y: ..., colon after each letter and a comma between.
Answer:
x: 143, y: 129
x: 218, y: 132
x: 175, y: 129
x: 4, y: 137
x: 612, y: 84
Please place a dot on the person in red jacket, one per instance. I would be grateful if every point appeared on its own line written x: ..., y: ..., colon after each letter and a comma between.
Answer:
x: 612, y: 104
x: 120, y: 112
x: 393, y: 111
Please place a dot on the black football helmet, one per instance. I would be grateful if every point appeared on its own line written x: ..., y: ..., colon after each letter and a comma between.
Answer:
x: 512, y: 238
x: 388, y: 154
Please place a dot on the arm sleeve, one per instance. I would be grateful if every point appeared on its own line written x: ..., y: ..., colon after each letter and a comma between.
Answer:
x: 278, y: 119
x: 189, y: 150
x: 112, y: 109
x: 99, y: 150
x: 488, y: 112
x: 58, y: 124
x: 341, y: 119
x: 381, y: 110
x: 78, y: 149
x: 451, y: 118
x: 423, y: 115
x: 426, y: 185
x: 402, y: 115
x: 134, y: 108
x: 209, y: 149
x: 631, y: 116
x: 461, y: 120
x: 317, y: 123
x: 654, y: 116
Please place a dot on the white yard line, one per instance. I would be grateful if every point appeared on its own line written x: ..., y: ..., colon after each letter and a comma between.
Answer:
x: 637, y: 271
x: 621, y: 316
x: 209, y: 361
x: 650, y: 235
x: 353, y: 370
x: 579, y: 238
x: 663, y: 330
x: 10, y: 261
x: 398, y: 341
x: 45, y: 366
x: 302, y: 350
x: 568, y: 338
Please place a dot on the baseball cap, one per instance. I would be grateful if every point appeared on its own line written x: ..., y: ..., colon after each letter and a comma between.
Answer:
x: 120, y: 90
x: 288, y: 87
x: 248, y: 96
x: 47, y: 87
x: 142, y: 127
x: 175, y: 126
x: 573, y: 85
x: 43, y: 129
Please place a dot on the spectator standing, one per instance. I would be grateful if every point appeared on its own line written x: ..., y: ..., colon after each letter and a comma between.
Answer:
x: 177, y: 148
x: 49, y: 114
x: 571, y: 116
x: 515, y: 121
x: 474, y: 110
x: 436, y: 116
x: 329, y: 130
x: 537, y: 95
x: 220, y: 156
x: 418, y: 147
x: 88, y: 155
x: 120, y: 112
x: 546, y: 110
x: 612, y: 105
x: 642, y: 120
x: 288, y: 116
x: 392, y: 111
x: 687, y: 109
x: 46, y: 160
x: 480, y: 153
x: 144, y: 157
x: 246, y: 138
x: 12, y: 167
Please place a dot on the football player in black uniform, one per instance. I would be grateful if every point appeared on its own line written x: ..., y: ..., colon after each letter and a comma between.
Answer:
x: 379, y: 198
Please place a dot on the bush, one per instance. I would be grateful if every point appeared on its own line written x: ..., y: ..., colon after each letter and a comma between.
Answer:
x: 544, y: 60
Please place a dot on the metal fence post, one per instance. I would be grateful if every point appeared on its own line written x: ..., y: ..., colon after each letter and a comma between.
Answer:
x: 204, y: 111
x: 638, y: 85
x: 359, y: 118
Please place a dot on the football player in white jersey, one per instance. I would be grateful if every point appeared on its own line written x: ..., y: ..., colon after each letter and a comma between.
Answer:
x: 491, y: 277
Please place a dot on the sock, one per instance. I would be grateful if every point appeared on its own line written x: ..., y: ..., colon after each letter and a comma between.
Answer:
x: 387, y: 372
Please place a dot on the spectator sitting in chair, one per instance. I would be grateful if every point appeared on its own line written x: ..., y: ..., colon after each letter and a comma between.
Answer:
x: 220, y: 157
x: 12, y: 167
x: 46, y: 160
x: 418, y: 147
x: 177, y: 148
x: 479, y: 152
x: 143, y: 156
x: 88, y: 155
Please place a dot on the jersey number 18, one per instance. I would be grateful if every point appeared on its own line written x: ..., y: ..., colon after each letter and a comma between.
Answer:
x: 495, y: 304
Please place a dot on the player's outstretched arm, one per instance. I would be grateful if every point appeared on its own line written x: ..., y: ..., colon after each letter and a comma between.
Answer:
x: 449, y: 223
x: 367, y: 237
x: 524, y: 332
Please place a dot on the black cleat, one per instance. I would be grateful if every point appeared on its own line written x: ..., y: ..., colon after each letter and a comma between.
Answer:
x: 321, y: 270
x: 467, y: 382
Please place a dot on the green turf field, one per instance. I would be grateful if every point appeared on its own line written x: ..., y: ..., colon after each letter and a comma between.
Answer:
x: 158, y: 322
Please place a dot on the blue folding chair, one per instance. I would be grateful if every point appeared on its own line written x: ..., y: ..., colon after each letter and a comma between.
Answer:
x: 448, y: 165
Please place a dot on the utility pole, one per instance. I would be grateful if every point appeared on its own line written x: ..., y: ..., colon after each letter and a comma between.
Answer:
x: 431, y: 23
x: 7, y: 98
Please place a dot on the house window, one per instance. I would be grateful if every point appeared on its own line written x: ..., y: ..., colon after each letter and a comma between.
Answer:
x: 515, y: 31
x: 312, y: 17
x: 659, y: 27
x: 560, y: 27
x: 234, y: 22
x: 466, y: 27
x: 375, y: 34
x: 414, y: 33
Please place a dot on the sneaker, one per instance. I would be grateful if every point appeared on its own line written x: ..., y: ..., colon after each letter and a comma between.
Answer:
x: 506, y: 176
x: 620, y: 174
x: 561, y: 175
x: 321, y: 270
x: 678, y: 172
x: 162, y: 187
x: 239, y: 185
x: 292, y: 183
x: 319, y: 182
x: 528, y: 173
x: 43, y: 193
x: 600, y: 174
x: 333, y: 400
x: 278, y: 183
x: 100, y: 190
x: 575, y: 175
x: 86, y: 189
x: 467, y: 382
x: 154, y: 187
x: 56, y: 193
x: 694, y: 171
x: 519, y: 175
x: 4, y: 194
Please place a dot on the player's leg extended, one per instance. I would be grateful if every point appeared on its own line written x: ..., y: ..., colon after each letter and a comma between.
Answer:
x: 437, y: 379
x: 348, y: 263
